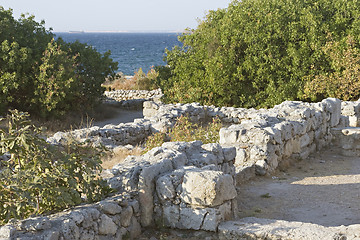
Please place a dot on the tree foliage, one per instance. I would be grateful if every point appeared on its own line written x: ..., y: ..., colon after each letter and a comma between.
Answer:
x: 256, y: 53
x: 343, y: 81
x: 46, y: 76
x: 38, y: 177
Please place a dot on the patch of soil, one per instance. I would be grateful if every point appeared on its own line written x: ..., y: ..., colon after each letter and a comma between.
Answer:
x: 324, y: 189
x: 119, y: 115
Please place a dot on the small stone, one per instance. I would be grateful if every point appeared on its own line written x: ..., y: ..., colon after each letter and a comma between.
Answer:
x: 111, y: 208
x: 7, y: 231
x: 125, y: 217
x: 107, y: 226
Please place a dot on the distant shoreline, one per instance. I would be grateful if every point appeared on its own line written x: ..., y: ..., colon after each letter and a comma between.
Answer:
x: 77, y: 32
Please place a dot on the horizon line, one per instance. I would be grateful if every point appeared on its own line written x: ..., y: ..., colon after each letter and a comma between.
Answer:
x: 124, y: 31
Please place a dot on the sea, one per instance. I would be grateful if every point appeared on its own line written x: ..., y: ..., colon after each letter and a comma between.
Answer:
x: 131, y: 50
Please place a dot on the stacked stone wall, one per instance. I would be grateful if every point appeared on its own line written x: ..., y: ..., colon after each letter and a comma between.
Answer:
x: 190, y: 185
x: 160, y: 187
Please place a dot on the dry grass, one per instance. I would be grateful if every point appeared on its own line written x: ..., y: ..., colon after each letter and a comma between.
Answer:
x: 73, y: 121
x: 119, y: 155
x: 121, y: 84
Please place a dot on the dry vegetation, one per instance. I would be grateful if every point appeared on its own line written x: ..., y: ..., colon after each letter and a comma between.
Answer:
x: 119, y: 155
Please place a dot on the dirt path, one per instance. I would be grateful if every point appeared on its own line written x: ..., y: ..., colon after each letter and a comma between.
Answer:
x: 118, y: 116
x: 325, y: 189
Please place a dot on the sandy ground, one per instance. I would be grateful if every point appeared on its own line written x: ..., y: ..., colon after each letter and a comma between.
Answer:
x: 323, y: 190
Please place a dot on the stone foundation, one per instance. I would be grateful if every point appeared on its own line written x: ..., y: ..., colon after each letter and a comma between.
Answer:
x: 192, y: 185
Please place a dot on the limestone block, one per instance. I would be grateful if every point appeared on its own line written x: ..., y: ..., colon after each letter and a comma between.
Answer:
x: 259, y: 228
x: 241, y: 156
x: 203, y: 159
x: 228, y: 136
x: 70, y: 230
x: 286, y: 130
x: 77, y: 216
x: 229, y: 153
x: 257, y: 153
x: 191, y: 218
x: 216, y: 149
x: 36, y: 224
x: 165, y: 188
x: 215, y: 216
x: 207, y: 188
x: 7, y: 232
x: 353, y: 121
x: 333, y: 106
x: 275, y: 133
x: 106, y: 225
x: 171, y: 215
x: 147, y: 188
x: 90, y: 215
x: 87, y: 234
x: 304, y: 140
x: 110, y: 207
x: 134, y: 228
x: 125, y: 216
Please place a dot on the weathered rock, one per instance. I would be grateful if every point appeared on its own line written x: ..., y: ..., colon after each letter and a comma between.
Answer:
x: 257, y: 228
x: 207, y: 188
x: 111, y: 208
x: 7, y: 231
x: 70, y: 230
x: 107, y: 226
x: 126, y: 215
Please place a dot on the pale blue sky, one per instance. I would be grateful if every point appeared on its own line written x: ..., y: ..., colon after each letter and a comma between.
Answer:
x: 116, y: 15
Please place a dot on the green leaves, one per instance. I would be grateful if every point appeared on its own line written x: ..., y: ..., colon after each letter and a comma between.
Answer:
x: 44, y: 76
x: 40, y: 178
x: 256, y: 53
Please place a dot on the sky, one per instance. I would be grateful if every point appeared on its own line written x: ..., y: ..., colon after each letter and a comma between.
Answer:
x: 116, y: 15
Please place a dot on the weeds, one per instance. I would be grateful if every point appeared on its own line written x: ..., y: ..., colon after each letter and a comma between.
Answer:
x: 186, y: 131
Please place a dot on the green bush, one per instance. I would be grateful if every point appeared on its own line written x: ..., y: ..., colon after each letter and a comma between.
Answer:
x: 44, y: 76
x: 256, y: 53
x: 186, y: 131
x: 145, y: 81
x: 343, y: 81
x: 39, y: 178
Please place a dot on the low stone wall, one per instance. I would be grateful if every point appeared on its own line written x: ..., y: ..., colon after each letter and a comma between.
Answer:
x: 109, y: 136
x: 113, y: 218
x: 121, y: 95
x: 291, y: 130
x: 350, y: 114
x: 180, y: 185
x: 190, y: 185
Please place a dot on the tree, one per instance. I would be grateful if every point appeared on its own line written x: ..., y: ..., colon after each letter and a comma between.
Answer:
x: 344, y: 80
x: 44, y: 76
x: 256, y: 53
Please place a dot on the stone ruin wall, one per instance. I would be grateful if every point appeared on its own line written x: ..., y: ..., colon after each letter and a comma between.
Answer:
x: 190, y: 185
x: 131, y: 99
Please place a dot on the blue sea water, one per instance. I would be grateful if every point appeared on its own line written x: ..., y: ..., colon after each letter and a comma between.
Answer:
x: 130, y: 50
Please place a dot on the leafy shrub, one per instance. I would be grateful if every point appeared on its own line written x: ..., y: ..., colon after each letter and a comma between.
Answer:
x: 44, y: 76
x: 344, y: 80
x: 256, y: 53
x: 145, y: 81
x: 186, y: 131
x: 39, y: 178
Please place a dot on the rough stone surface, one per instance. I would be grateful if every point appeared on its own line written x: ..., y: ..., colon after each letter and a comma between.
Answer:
x: 107, y: 226
x: 192, y: 185
x: 257, y: 228
x: 207, y: 188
